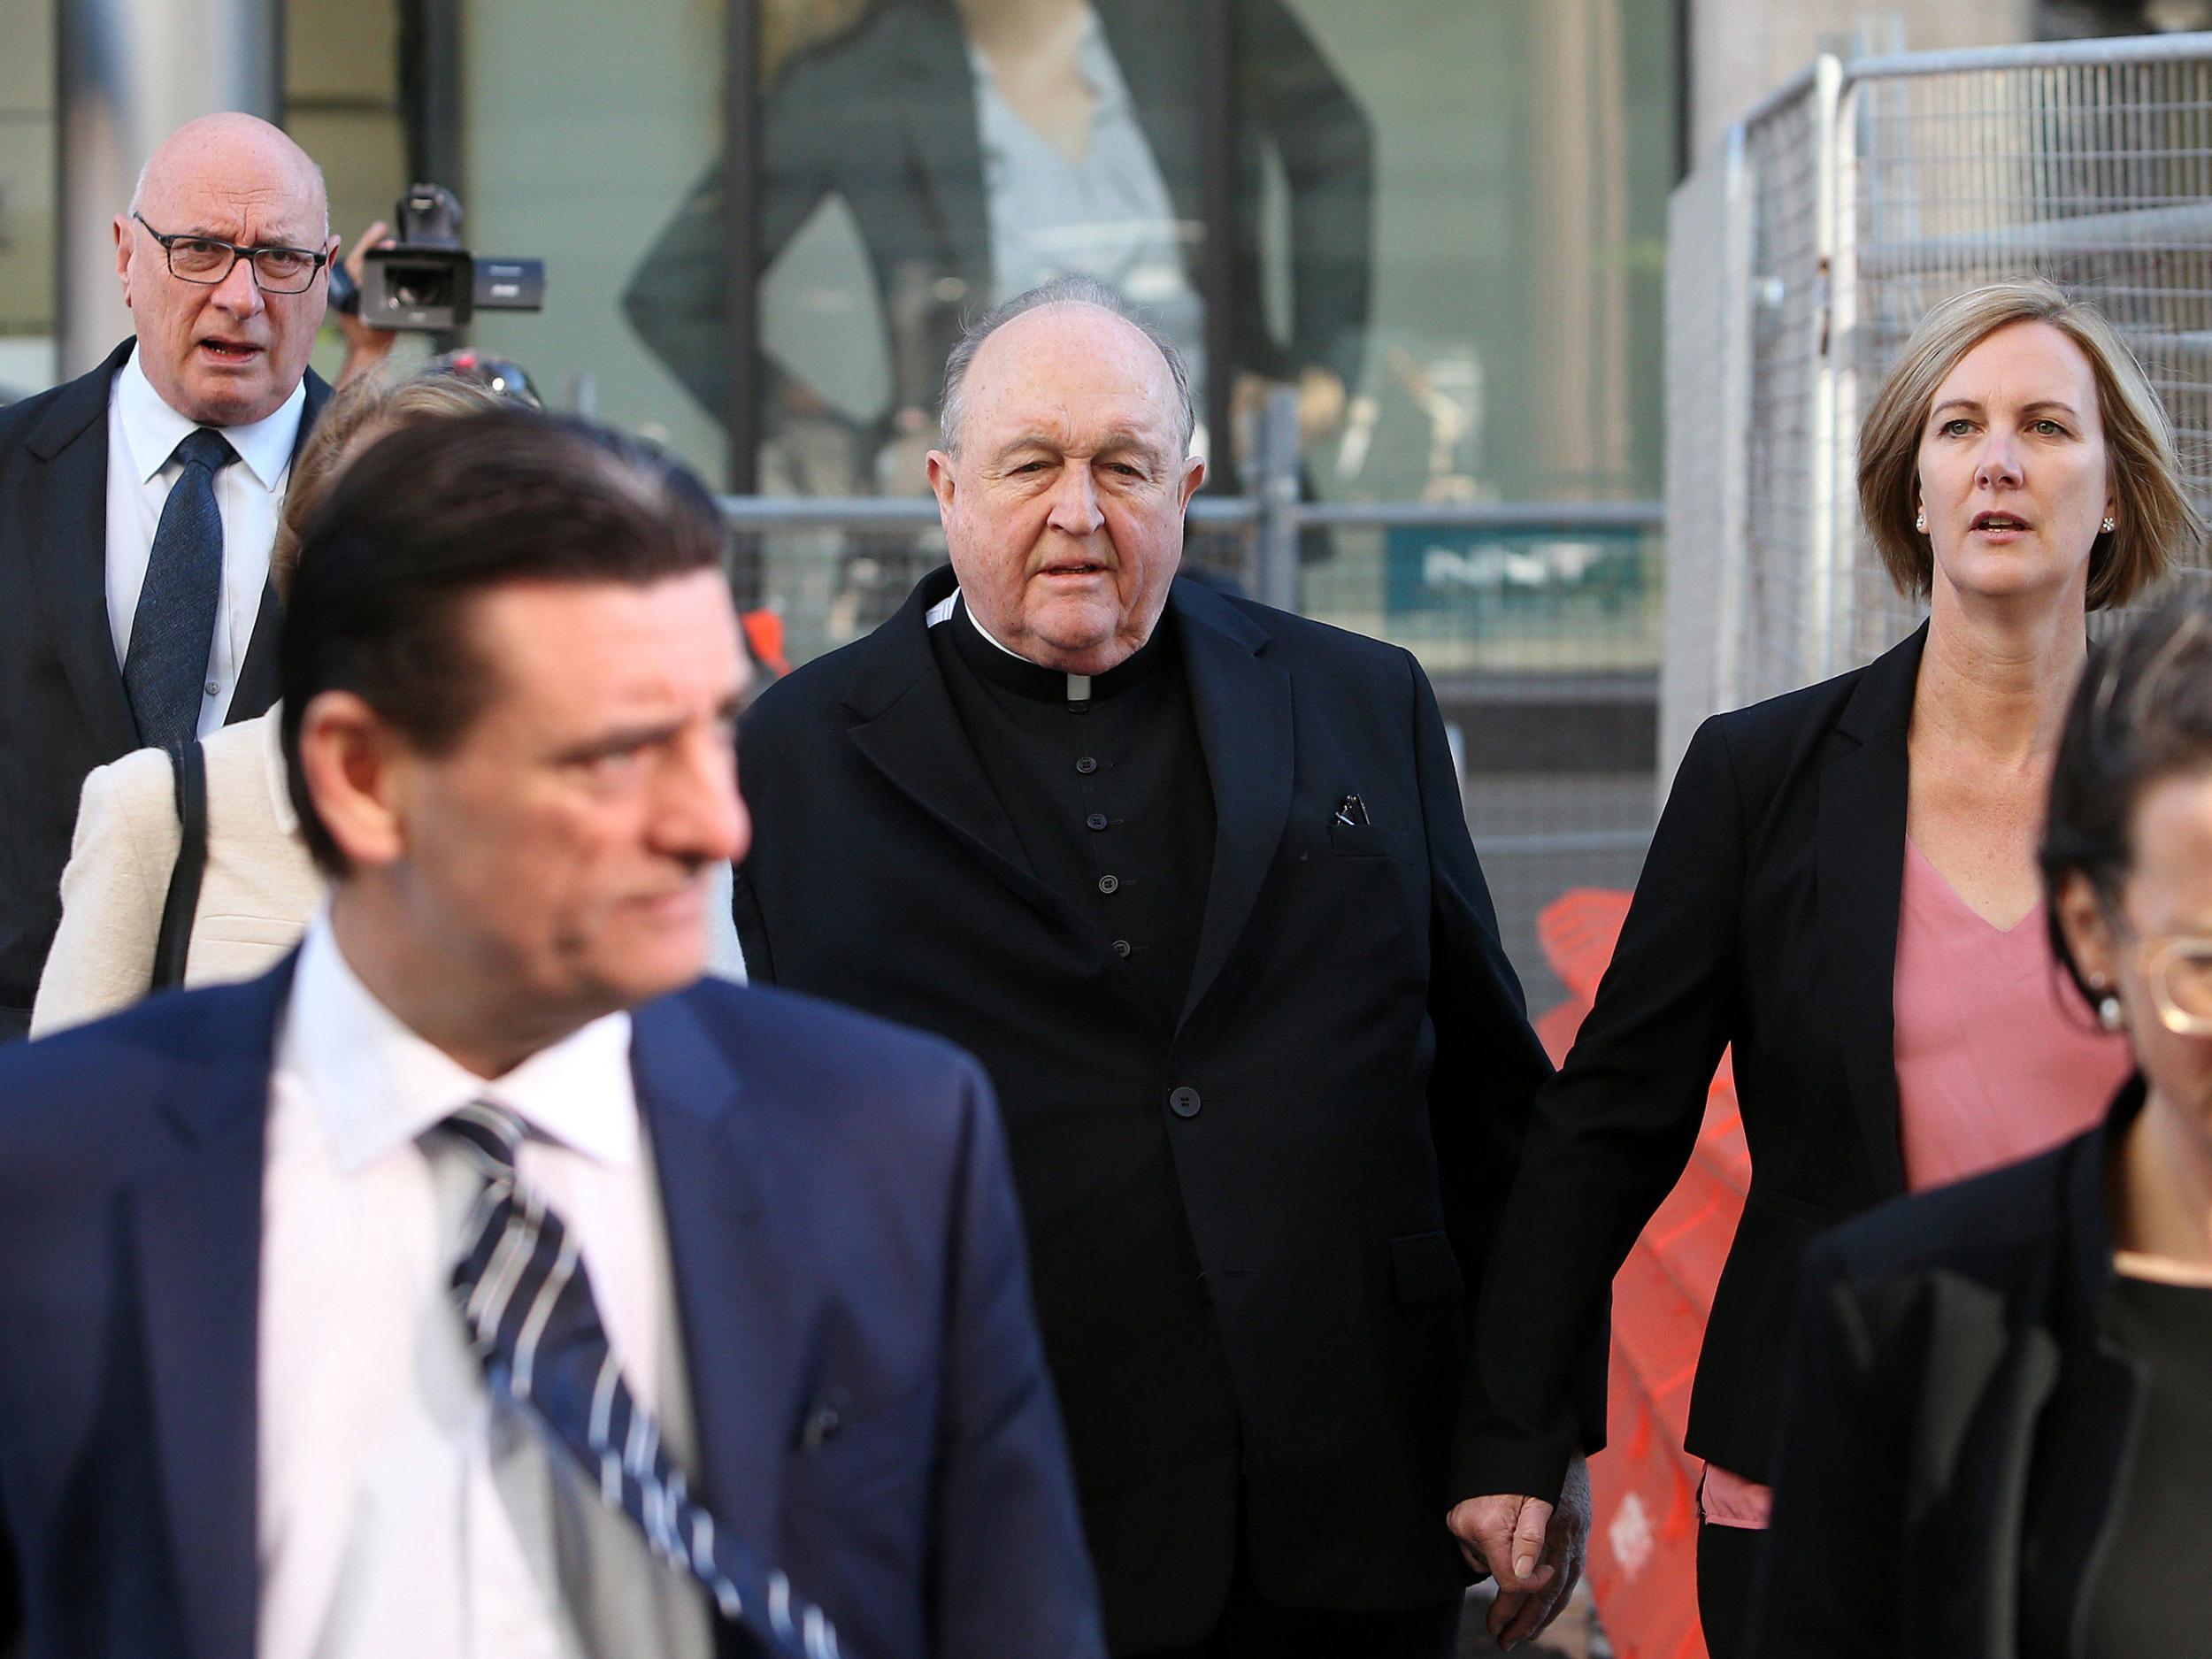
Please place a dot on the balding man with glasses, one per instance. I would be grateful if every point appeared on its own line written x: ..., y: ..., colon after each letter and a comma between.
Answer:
x: 138, y: 501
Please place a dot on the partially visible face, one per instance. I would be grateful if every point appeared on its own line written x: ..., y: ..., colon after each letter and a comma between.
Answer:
x: 563, y: 847
x: 1064, y: 505
x: 2168, y: 895
x: 229, y: 354
x: 2014, y: 476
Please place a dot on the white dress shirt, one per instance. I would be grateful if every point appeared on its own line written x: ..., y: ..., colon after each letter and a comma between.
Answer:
x: 143, y: 433
x: 389, y: 1521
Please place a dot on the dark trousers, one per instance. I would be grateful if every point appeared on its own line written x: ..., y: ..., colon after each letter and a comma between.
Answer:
x: 1727, y: 1565
x: 1252, y: 1629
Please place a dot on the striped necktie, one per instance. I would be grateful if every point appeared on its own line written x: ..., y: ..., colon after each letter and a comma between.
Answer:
x: 164, y: 666
x: 526, y: 1301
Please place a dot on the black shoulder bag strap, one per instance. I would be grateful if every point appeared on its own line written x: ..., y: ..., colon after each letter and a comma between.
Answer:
x: 189, y: 765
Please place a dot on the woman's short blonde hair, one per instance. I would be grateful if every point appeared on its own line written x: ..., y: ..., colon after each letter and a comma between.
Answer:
x: 366, y: 405
x: 2155, y: 521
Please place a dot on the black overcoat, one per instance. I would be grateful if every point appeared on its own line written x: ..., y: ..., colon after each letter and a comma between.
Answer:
x: 1273, y: 1206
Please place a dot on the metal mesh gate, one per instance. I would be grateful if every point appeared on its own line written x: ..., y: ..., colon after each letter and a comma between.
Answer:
x: 1850, y: 202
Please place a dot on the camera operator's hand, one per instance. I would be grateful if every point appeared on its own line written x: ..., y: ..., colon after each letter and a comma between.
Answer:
x: 366, y: 345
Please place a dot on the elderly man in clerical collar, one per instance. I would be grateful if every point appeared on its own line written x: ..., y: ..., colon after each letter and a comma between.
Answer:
x: 1191, y: 876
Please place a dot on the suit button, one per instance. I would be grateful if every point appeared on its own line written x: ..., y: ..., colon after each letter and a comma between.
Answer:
x: 1121, y: 946
x: 1108, y: 884
x: 1086, y: 766
x: 1098, y: 820
x: 1184, y: 1102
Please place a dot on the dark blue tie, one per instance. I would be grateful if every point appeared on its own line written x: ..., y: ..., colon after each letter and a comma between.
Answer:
x: 526, y: 1301
x: 164, y: 671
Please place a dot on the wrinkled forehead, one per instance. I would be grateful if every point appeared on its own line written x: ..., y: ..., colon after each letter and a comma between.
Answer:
x: 583, y: 653
x: 2022, y: 361
x: 1071, y: 371
x: 249, y: 191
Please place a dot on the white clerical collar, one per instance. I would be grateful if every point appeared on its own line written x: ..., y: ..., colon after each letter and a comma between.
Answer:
x: 1078, y: 685
x: 153, y: 430
x: 378, y: 1086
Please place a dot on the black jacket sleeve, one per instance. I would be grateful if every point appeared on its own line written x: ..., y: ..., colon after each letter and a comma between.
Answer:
x: 1488, y: 1065
x: 1612, y: 1136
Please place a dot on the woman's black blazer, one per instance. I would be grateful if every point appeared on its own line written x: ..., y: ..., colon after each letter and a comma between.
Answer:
x: 1957, y: 1425
x: 1765, y: 917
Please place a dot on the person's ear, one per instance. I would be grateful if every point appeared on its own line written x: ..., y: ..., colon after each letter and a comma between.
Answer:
x: 124, y: 243
x: 2087, y: 930
x: 356, y: 770
x: 940, y: 465
x: 1193, y: 475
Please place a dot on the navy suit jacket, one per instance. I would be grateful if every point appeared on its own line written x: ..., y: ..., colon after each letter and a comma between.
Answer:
x: 63, y: 710
x: 842, y: 1232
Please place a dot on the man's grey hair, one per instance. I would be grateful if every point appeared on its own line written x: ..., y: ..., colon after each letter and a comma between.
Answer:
x: 1067, y: 290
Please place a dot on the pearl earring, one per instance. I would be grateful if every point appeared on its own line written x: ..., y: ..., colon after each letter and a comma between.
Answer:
x: 2109, y: 1014
x: 1920, y: 521
x: 2107, y: 524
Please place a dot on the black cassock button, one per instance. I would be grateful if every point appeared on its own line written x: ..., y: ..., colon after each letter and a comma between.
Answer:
x: 1098, y: 820
x: 1184, y: 1102
x: 1107, y: 884
x: 1086, y: 766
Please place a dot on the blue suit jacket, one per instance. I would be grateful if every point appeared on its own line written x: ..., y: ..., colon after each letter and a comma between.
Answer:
x: 842, y: 1233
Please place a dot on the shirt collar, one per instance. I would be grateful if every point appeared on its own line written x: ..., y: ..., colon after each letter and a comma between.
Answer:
x: 377, y: 1086
x: 153, y: 430
x: 1005, y: 666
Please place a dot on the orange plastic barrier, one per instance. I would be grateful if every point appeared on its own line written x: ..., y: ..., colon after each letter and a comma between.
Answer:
x: 1643, y: 1541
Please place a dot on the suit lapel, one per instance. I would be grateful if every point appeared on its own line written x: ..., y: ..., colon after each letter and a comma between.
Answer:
x: 197, y: 1231
x: 1970, y: 1600
x: 1242, y: 704
x: 742, y: 1366
x: 2072, y: 1499
x: 66, y: 541
x: 1860, y: 870
x: 910, y: 732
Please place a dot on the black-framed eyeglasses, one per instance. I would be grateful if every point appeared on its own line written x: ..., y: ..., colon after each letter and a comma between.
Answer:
x: 207, y: 260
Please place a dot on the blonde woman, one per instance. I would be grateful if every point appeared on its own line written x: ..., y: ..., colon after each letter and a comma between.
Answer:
x: 1843, y: 885
x: 257, y: 887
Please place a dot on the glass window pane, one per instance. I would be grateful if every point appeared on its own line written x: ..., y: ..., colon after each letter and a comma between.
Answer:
x: 1513, y: 351
x: 28, y: 124
x: 585, y: 127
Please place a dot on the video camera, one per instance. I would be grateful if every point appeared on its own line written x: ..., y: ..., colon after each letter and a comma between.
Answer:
x: 427, y: 281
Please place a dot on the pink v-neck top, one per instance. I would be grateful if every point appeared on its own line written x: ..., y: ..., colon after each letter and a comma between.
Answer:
x: 1998, y: 1057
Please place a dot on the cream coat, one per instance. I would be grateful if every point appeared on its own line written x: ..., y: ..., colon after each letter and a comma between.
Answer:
x: 256, y: 892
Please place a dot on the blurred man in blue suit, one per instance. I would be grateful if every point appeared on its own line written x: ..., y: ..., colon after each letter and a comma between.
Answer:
x: 467, y: 1287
